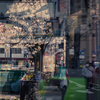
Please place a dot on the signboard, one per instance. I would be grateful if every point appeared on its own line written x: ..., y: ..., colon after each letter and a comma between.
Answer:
x: 98, y: 47
x: 63, y: 7
x: 71, y: 51
x: 82, y: 54
x: 96, y: 64
x: 20, y: 63
x: 60, y: 58
x: 81, y: 63
x: 5, y: 66
x: 48, y: 64
x: 93, y: 53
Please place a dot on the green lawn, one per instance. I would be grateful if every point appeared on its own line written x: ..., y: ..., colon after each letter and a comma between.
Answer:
x: 76, y: 89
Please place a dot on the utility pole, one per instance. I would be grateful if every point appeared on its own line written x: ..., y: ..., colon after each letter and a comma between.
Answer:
x: 67, y: 48
x: 93, y: 9
x: 67, y: 40
x: 10, y: 54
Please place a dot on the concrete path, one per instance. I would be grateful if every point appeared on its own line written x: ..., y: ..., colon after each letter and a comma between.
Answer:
x: 9, y: 96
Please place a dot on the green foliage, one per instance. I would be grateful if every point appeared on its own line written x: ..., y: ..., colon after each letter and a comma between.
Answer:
x: 49, y: 35
x: 4, y: 29
x: 41, y: 84
x: 16, y: 99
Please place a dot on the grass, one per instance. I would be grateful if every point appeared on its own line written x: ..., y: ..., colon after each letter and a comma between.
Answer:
x: 74, y: 89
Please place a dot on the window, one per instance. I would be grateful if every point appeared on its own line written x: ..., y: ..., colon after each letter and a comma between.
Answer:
x: 16, y: 50
x: 1, y: 14
x: 84, y: 19
x: 87, y: 4
x: 61, y: 46
x: 1, y: 50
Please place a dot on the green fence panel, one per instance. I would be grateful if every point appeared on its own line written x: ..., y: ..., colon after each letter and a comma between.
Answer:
x: 0, y: 66
x: 7, y: 77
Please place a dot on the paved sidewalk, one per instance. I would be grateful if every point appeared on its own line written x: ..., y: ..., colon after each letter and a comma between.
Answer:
x: 9, y: 96
x: 53, y: 93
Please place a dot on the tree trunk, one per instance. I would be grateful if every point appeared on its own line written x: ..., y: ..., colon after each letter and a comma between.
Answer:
x: 41, y: 58
x: 35, y: 63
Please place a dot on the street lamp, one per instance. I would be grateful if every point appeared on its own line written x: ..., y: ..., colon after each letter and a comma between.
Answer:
x: 67, y: 48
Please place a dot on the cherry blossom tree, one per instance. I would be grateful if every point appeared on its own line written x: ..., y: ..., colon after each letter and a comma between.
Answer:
x: 27, y: 26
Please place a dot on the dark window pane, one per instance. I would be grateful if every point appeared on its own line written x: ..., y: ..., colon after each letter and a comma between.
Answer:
x: 16, y: 50
x: 1, y: 50
x: 61, y: 46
